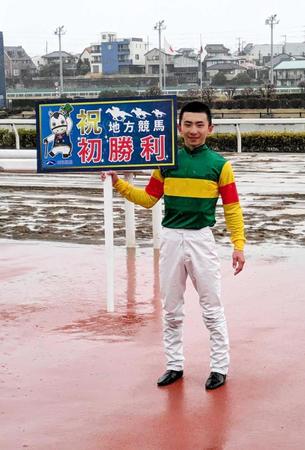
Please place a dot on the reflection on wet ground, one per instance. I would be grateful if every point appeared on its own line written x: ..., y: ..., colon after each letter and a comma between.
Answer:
x: 69, y: 285
x: 105, y: 327
x: 13, y: 314
x: 74, y: 377
x: 69, y: 207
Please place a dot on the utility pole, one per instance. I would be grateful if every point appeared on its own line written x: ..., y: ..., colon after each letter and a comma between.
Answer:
x: 239, y: 45
x: 60, y: 32
x: 160, y: 26
x: 200, y: 64
x: 285, y: 42
x: 271, y: 21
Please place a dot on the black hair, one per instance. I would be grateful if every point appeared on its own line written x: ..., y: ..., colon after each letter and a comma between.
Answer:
x: 196, y: 107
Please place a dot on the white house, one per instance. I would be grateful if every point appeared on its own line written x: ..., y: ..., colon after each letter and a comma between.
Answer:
x: 290, y: 73
x: 152, y: 61
x: 229, y: 70
x: 262, y: 52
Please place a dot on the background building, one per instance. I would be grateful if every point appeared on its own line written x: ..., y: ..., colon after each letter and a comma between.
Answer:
x: 186, y: 68
x: 95, y: 58
x: 152, y: 62
x: 125, y: 56
x: 68, y: 61
x: 18, y: 64
x: 229, y: 70
x: 290, y: 73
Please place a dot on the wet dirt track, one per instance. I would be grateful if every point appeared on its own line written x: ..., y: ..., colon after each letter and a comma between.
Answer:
x: 69, y: 207
x: 73, y: 377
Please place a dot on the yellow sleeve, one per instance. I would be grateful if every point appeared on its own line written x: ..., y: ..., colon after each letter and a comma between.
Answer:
x: 235, y: 224
x: 147, y: 197
x: 232, y: 209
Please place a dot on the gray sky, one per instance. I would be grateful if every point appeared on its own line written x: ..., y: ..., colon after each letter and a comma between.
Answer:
x: 31, y: 23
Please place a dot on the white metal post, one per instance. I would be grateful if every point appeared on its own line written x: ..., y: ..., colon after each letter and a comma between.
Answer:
x: 16, y: 136
x: 59, y: 32
x: 160, y: 26
x: 160, y: 59
x: 238, y: 138
x: 109, y: 248
x: 130, y: 217
x: 271, y: 21
x: 156, y: 219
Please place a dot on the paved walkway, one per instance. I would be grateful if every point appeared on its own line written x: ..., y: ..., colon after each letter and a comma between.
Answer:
x: 73, y: 377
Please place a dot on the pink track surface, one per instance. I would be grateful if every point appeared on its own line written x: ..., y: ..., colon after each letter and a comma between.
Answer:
x: 76, y: 378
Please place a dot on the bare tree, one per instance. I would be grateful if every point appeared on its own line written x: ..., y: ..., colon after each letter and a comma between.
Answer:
x: 208, y: 94
x: 193, y: 93
x: 247, y: 92
x: 229, y: 92
x: 268, y: 92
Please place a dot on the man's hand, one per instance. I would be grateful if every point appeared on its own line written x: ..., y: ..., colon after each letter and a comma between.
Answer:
x: 238, y: 259
x: 111, y: 173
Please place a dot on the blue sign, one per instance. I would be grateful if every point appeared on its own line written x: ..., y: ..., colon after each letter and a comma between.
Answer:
x: 106, y: 135
x: 2, y: 74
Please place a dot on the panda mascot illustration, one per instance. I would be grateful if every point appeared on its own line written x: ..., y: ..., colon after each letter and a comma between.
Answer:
x: 61, y: 126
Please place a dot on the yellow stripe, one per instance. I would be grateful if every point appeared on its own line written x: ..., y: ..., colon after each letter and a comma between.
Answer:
x: 157, y: 174
x: 227, y: 175
x: 188, y: 187
x: 232, y: 208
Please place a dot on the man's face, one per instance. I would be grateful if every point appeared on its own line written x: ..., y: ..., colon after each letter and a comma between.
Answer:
x: 194, y: 129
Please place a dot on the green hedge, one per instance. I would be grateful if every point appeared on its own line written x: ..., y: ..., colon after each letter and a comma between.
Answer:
x: 259, y: 103
x: 269, y: 141
x: 287, y: 142
x: 27, y: 138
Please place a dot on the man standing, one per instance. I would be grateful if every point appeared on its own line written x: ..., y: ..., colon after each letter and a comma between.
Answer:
x: 190, y: 195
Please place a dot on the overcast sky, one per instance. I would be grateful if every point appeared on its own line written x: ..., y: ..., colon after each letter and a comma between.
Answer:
x: 31, y: 23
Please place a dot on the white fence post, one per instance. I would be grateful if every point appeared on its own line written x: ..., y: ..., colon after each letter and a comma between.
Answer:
x: 238, y: 138
x: 130, y: 217
x: 109, y: 247
x: 156, y: 219
x: 16, y: 136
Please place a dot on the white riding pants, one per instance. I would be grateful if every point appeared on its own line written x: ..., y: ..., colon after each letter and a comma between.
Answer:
x: 192, y: 252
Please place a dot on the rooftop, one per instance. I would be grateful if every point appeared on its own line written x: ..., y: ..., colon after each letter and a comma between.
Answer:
x: 291, y: 65
x: 56, y: 54
x: 226, y: 66
x: 216, y: 48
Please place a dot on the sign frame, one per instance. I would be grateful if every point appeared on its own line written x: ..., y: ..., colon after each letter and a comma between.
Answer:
x: 171, y: 133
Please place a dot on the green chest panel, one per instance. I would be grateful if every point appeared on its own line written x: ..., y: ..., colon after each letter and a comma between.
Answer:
x: 201, y: 163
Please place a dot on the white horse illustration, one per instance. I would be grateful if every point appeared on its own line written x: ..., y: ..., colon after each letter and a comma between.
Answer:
x: 117, y: 114
x: 158, y: 114
x: 139, y: 113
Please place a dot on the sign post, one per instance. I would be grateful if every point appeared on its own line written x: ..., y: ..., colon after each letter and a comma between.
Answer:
x: 130, y: 218
x: 109, y: 247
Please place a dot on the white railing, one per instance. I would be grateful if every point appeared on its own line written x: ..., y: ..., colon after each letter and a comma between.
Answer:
x: 238, y: 124
x: 51, y: 94
x: 95, y: 92
x: 14, y: 124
